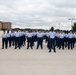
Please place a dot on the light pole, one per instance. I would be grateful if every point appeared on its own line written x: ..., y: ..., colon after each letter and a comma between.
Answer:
x: 59, y: 25
x: 71, y: 19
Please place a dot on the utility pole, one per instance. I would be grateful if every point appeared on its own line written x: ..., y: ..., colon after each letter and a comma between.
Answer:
x: 71, y: 19
x: 59, y: 25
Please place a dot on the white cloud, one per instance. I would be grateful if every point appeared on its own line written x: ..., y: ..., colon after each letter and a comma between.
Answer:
x: 38, y: 13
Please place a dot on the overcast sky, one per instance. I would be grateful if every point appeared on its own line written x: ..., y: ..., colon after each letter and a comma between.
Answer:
x: 38, y: 13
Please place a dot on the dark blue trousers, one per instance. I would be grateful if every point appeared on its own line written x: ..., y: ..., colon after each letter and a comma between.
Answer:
x: 40, y: 43
x: 61, y: 43
x: 29, y: 42
x: 70, y: 43
x: 52, y: 45
x: 17, y: 42
x: 4, y: 43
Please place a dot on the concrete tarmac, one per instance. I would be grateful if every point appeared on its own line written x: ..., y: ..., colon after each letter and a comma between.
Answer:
x: 37, y: 62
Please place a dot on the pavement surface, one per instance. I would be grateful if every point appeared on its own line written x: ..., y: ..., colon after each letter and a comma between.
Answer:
x: 37, y: 62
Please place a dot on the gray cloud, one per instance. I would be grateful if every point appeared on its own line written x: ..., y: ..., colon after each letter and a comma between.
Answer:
x: 38, y: 13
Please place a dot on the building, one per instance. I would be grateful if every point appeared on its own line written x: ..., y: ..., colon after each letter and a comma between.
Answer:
x: 0, y: 25
x: 5, y: 25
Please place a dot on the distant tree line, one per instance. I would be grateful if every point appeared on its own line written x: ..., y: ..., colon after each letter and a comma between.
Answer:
x: 74, y: 27
x: 52, y: 28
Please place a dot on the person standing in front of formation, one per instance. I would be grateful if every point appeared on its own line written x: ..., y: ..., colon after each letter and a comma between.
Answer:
x: 52, y: 40
x: 4, y: 40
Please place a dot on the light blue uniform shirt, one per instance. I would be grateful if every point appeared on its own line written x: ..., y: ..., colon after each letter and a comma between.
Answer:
x: 52, y: 34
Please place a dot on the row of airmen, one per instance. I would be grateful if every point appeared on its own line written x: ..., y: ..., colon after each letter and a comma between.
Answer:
x: 53, y: 39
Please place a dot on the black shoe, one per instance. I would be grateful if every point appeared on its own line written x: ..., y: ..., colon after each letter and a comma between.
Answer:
x: 2, y: 48
x: 54, y: 51
x: 27, y: 48
x: 49, y: 51
x: 31, y: 48
x: 9, y: 46
x: 63, y: 48
x: 59, y: 48
x: 68, y: 48
x: 42, y: 48
x: 15, y: 48
x: 19, y: 48
x: 6, y: 48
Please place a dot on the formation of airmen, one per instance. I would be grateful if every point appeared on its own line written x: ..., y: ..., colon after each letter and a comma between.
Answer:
x: 54, y: 39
